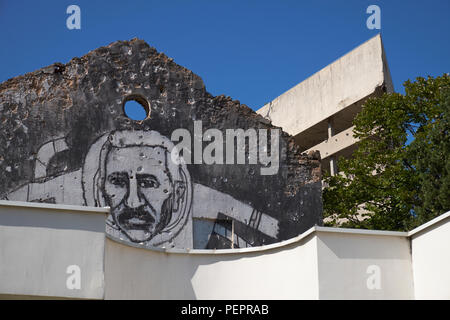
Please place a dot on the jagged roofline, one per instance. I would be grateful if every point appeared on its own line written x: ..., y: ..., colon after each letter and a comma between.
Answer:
x: 59, y: 67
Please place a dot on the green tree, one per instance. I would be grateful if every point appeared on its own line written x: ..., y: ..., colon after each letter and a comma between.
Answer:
x: 388, y: 183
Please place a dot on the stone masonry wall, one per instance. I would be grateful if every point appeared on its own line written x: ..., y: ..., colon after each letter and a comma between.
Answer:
x: 64, y: 138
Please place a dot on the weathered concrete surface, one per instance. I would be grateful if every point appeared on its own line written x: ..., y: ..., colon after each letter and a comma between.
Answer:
x: 52, y: 119
x: 430, y: 246
x: 38, y: 242
x: 320, y: 264
x: 337, y: 91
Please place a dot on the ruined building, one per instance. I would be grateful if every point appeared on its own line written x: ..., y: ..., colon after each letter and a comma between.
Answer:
x: 321, y: 109
x: 202, y: 199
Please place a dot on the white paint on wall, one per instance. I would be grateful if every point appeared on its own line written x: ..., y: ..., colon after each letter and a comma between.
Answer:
x: 38, y: 243
x: 287, y: 272
x: 344, y: 259
x: 131, y: 161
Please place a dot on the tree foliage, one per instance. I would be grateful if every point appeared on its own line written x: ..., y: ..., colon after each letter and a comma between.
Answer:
x: 389, y: 183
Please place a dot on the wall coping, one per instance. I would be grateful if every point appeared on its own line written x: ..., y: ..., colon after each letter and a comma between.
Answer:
x: 51, y: 206
x: 313, y: 230
x: 284, y: 243
x: 430, y: 223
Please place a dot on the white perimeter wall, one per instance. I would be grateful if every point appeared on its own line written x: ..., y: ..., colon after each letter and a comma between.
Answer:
x: 38, y: 242
x: 349, y: 260
x: 286, y: 272
x: 321, y: 264
x: 431, y: 259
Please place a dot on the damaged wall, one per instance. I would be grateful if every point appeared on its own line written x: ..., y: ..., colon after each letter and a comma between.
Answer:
x: 64, y: 138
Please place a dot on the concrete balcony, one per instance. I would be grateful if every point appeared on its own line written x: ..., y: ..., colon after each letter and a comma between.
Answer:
x: 336, y: 143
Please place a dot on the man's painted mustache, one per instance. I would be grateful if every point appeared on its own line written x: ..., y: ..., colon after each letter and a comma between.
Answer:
x: 141, y: 218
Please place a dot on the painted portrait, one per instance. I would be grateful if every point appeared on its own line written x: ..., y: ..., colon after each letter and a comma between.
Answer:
x: 153, y: 201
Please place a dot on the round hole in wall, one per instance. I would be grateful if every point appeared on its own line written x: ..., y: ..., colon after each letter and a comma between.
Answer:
x: 136, y: 107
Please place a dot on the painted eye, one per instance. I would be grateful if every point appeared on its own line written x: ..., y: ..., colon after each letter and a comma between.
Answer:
x: 118, y: 179
x: 148, y: 181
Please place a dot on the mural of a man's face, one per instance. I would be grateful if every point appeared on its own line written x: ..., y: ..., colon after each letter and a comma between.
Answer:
x: 138, y: 188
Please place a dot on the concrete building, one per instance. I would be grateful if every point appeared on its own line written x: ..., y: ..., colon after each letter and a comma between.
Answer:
x: 65, y: 138
x: 61, y: 251
x: 319, y: 111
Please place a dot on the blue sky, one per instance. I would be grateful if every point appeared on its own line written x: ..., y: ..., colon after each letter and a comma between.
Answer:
x: 250, y: 50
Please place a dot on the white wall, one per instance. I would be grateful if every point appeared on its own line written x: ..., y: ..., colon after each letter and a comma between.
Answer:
x: 431, y: 259
x: 38, y: 242
x: 283, y: 272
x: 323, y: 263
x: 349, y: 259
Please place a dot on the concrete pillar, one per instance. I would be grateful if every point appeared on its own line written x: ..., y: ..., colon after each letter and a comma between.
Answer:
x: 333, y: 165
x: 330, y: 127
